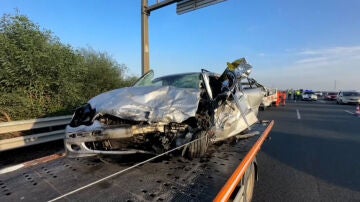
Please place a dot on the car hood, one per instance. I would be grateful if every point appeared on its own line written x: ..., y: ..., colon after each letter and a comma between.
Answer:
x: 150, y: 103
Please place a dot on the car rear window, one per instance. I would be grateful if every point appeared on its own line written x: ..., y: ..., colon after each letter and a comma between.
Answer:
x: 351, y: 94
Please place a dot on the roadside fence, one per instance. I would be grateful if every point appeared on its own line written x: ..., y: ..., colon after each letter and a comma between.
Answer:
x: 39, y: 131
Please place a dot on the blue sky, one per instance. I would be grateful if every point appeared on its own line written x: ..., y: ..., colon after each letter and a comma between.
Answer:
x: 291, y: 44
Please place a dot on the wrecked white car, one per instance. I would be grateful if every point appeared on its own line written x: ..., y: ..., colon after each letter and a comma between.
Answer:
x: 156, y: 115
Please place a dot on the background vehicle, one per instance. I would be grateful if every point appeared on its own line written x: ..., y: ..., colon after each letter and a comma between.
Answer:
x: 269, y: 98
x: 309, y: 95
x: 348, y: 97
x: 319, y: 93
x: 330, y: 96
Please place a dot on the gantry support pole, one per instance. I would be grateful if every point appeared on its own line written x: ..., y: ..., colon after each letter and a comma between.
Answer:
x: 145, y: 53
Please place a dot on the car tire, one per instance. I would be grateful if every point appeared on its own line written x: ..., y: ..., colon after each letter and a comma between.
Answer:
x: 245, y: 190
x: 250, y: 183
x: 198, y: 148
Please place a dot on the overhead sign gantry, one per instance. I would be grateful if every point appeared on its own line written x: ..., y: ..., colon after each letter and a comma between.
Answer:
x: 183, y: 6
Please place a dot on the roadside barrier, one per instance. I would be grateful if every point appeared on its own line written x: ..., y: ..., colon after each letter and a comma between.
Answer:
x: 27, y: 140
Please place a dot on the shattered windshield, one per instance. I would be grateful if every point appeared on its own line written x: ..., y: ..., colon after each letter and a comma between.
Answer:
x: 189, y: 80
x: 145, y: 79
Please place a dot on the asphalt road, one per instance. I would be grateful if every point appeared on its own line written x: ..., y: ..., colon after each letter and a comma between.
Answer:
x: 313, y: 154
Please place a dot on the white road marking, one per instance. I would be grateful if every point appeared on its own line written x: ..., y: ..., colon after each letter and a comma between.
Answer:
x: 11, y: 168
x: 298, y: 114
x: 352, y: 113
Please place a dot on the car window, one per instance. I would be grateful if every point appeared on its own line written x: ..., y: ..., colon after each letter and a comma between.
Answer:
x: 351, y: 94
x: 191, y: 80
x: 145, y: 79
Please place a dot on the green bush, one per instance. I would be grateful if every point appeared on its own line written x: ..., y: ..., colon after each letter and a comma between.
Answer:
x: 40, y: 76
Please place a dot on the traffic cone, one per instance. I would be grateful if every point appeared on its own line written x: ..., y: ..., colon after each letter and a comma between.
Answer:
x: 357, y: 110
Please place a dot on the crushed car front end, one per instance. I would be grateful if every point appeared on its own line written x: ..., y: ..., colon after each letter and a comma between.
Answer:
x: 132, y: 120
x: 157, y: 115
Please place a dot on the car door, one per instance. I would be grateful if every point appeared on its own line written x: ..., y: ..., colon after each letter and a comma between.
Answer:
x: 206, y: 80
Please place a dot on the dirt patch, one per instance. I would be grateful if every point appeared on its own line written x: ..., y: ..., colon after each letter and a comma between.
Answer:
x: 4, y: 117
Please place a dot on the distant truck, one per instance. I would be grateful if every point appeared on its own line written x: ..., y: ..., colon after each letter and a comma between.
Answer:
x: 269, y: 99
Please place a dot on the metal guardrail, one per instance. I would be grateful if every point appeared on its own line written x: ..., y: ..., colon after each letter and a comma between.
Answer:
x: 16, y: 126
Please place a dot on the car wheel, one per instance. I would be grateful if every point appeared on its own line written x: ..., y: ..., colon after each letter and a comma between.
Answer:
x: 246, y: 188
x: 250, y: 183
x: 198, y: 148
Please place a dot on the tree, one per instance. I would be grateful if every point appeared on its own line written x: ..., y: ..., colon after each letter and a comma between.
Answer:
x: 40, y: 76
x: 102, y: 72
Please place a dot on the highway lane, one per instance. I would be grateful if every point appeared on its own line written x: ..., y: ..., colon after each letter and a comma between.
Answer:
x: 313, y: 154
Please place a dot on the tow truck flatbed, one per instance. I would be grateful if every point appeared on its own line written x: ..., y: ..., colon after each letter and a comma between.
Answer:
x: 165, y: 179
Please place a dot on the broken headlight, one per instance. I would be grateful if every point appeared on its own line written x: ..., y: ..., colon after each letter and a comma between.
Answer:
x: 83, y: 116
